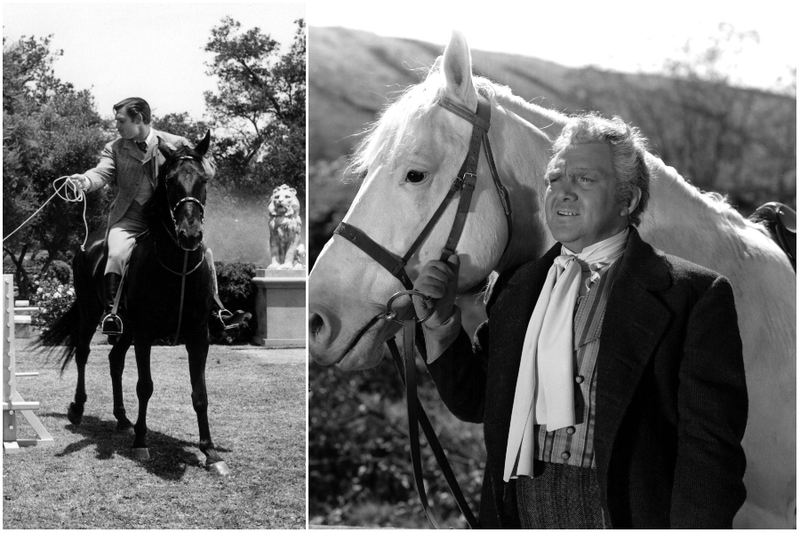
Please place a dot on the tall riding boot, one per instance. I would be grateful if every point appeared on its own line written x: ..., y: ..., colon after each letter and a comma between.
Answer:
x: 112, y: 324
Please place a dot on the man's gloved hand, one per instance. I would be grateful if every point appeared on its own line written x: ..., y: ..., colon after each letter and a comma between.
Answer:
x: 439, y: 281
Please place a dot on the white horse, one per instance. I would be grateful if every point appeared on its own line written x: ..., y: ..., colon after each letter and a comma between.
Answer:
x: 410, y: 158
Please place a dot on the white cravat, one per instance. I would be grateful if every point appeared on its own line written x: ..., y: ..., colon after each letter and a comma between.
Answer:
x: 545, y: 384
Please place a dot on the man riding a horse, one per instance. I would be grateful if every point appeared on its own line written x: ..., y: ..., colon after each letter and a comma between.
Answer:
x: 133, y: 161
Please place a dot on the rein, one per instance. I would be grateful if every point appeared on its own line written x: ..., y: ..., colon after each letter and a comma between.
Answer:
x: 464, y: 183
x: 174, y: 237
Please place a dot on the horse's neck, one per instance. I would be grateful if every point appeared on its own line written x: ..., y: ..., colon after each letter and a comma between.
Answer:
x: 684, y: 222
x: 521, y: 164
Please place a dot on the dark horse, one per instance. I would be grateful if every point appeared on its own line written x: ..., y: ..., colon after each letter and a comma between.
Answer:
x: 167, y: 292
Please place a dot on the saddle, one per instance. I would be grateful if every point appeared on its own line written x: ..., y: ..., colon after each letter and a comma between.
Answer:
x: 781, y: 222
x: 225, y: 326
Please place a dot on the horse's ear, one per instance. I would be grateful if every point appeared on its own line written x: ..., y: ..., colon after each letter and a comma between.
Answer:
x: 164, y: 149
x: 457, y: 66
x: 202, y: 146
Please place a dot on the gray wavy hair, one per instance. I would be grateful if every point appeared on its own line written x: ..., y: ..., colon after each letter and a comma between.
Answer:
x: 628, y: 151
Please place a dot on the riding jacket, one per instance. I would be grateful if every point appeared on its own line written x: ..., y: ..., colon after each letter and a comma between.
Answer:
x: 671, y: 401
x: 123, y: 161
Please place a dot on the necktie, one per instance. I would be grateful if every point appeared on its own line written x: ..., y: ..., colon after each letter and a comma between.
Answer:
x: 142, y: 145
x: 544, y: 394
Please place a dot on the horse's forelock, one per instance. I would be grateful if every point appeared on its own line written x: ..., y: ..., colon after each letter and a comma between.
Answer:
x: 387, y: 138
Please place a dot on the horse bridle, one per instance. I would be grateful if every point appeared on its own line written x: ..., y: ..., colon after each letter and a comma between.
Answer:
x: 185, y: 199
x: 185, y: 271
x: 464, y: 182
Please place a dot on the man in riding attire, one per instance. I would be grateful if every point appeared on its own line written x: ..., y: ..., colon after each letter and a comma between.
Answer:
x: 609, y: 376
x: 133, y: 161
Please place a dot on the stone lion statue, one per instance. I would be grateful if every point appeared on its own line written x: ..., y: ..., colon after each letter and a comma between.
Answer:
x: 285, y: 227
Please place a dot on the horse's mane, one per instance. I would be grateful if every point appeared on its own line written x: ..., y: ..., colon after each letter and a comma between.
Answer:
x: 710, y: 202
x: 387, y: 136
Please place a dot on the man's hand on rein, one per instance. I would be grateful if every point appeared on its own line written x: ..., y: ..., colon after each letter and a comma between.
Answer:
x: 439, y: 281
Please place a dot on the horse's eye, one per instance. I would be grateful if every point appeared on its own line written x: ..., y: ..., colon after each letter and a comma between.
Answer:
x: 415, y: 176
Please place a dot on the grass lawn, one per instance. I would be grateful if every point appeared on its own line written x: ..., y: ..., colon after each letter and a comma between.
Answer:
x: 88, y: 479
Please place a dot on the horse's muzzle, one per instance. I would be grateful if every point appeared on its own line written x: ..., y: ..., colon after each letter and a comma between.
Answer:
x: 189, y: 241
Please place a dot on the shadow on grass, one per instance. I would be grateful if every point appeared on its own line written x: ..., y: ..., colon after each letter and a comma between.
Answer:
x: 169, y: 457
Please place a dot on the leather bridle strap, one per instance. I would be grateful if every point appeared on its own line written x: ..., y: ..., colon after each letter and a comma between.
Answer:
x: 416, y: 415
x: 464, y: 182
x: 183, y: 292
x: 381, y: 255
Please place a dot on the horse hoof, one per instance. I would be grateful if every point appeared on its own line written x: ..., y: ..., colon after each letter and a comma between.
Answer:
x: 140, y: 454
x: 74, y: 415
x: 220, y: 468
x: 125, y: 426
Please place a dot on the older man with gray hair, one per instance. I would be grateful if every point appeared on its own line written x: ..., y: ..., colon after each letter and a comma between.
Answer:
x: 609, y: 375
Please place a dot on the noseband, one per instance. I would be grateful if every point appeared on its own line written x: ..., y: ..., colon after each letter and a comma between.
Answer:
x: 464, y: 183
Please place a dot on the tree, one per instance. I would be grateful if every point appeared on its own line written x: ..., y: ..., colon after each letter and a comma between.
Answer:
x: 49, y: 130
x: 182, y: 124
x: 259, y: 109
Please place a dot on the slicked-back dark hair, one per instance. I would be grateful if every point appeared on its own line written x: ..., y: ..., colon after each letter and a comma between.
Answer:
x: 134, y: 106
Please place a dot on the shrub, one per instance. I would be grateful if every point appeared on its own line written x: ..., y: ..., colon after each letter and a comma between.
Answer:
x: 235, y: 285
x: 359, y: 452
x: 60, y: 270
x: 53, y: 298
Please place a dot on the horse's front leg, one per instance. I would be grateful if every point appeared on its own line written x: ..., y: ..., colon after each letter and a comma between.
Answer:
x: 197, y: 347
x: 116, y: 363
x: 144, y: 390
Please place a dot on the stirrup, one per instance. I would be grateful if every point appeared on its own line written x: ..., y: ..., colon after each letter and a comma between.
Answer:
x: 220, y: 316
x: 111, y: 325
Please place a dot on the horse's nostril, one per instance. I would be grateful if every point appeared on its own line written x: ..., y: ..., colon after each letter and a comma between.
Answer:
x: 315, y: 325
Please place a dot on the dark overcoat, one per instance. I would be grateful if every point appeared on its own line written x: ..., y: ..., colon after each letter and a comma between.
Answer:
x: 671, y: 403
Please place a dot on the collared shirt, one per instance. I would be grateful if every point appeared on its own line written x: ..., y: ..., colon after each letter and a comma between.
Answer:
x: 149, y: 137
x: 145, y: 190
x: 574, y: 445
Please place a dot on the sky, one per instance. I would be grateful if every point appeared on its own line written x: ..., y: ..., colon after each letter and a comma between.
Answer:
x: 155, y: 50
x: 615, y: 35
x: 151, y: 50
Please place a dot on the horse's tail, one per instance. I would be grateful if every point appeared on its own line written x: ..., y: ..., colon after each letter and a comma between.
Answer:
x: 64, y: 333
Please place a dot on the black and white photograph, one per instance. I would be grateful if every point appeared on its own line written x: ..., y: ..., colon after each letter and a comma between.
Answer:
x: 552, y: 265
x: 154, y: 266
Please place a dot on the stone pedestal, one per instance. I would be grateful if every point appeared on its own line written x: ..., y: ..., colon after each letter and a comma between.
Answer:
x: 280, y: 308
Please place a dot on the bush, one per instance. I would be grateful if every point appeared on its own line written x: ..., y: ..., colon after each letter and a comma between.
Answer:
x: 235, y: 285
x: 53, y: 298
x: 60, y: 270
x: 360, y: 472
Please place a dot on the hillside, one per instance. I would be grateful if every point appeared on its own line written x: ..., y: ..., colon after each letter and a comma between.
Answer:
x: 352, y: 75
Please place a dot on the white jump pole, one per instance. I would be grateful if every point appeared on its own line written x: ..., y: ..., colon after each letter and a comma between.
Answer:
x: 12, y: 401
